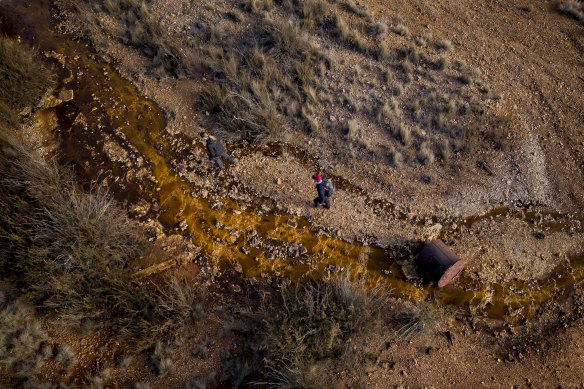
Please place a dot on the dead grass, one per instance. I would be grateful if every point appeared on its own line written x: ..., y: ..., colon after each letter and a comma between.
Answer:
x: 422, y: 320
x: 348, y: 34
x: 425, y: 155
x: 573, y: 8
x: 301, y: 335
x: 444, y: 45
x: 161, y: 360
x: 23, y: 79
x: 257, y: 6
x: 400, y: 29
x: 71, y: 252
x: 21, y: 342
x: 380, y: 29
x: 357, y: 9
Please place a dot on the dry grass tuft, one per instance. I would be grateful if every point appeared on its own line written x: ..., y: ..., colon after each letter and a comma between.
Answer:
x: 23, y: 79
x: 380, y: 29
x: 288, y: 38
x: 22, y: 341
x: 161, y: 360
x: 358, y: 10
x: 349, y: 34
x: 258, y: 6
x: 313, y: 11
x: 418, y: 320
x: 383, y: 52
x: 425, y: 155
x: 400, y: 29
x: 444, y: 45
x: 352, y: 130
x: 574, y: 8
x: 300, y: 336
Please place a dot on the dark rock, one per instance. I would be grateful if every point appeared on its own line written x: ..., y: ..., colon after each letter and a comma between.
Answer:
x: 302, y: 250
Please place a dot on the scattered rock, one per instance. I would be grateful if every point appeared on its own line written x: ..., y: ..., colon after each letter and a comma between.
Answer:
x: 293, y: 250
x: 302, y: 250
x: 66, y: 95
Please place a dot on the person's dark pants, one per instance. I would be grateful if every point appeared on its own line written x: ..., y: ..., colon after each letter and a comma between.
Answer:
x: 324, y: 201
x: 217, y: 160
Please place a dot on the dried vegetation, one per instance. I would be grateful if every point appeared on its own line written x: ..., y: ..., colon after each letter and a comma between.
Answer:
x: 71, y: 252
x: 304, y: 335
x: 574, y: 8
x: 280, y: 67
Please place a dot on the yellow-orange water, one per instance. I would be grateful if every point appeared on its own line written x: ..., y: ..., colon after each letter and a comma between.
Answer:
x: 107, y: 99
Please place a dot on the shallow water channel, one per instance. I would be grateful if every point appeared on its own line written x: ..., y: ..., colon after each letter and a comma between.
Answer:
x: 107, y: 105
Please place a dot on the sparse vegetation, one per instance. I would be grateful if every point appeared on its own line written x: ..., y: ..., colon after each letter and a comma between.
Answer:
x: 400, y: 29
x: 424, y: 319
x: 23, y: 80
x: 425, y: 155
x: 300, y: 337
x: 161, y: 360
x: 380, y: 29
x: 21, y: 340
x: 349, y: 34
x: 574, y: 8
x: 358, y: 10
x: 444, y: 45
x: 272, y: 74
x: 143, y: 32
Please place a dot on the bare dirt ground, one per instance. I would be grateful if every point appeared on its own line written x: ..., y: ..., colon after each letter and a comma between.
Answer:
x: 534, y: 59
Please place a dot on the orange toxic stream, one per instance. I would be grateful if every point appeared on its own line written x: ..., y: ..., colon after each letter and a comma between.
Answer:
x: 108, y: 109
